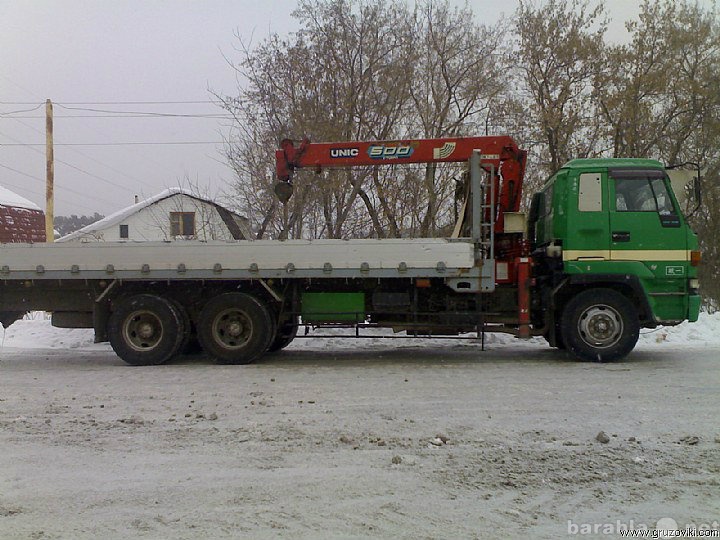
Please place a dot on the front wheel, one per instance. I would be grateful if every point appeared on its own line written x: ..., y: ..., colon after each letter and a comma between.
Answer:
x: 600, y: 325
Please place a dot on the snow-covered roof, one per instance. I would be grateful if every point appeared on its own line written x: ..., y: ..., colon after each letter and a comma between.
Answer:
x: 8, y: 198
x: 122, y: 215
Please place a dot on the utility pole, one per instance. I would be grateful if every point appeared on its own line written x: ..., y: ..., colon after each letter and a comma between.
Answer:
x: 50, y: 174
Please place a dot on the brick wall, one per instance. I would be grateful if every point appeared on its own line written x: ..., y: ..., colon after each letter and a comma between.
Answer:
x: 21, y: 225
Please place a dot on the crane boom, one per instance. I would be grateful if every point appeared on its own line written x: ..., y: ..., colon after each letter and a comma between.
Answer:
x: 500, y: 155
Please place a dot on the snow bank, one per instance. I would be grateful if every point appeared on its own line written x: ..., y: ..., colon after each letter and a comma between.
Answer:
x: 37, y: 333
x: 40, y: 334
x: 705, y: 331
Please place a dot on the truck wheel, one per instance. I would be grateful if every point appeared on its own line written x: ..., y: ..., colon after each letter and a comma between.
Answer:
x: 284, y: 336
x: 600, y: 325
x: 235, y: 328
x: 146, y: 330
x: 187, y: 325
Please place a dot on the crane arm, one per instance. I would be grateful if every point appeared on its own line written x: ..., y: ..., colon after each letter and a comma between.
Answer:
x: 499, y: 154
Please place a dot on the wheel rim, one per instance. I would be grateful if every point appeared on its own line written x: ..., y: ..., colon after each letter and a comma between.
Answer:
x: 232, y: 328
x: 600, y: 326
x: 143, y: 330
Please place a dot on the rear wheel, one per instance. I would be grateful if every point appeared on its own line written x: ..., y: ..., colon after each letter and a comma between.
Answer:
x: 146, y: 330
x: 600, y: 325
x: 187, y: 324
x: 235, y: 328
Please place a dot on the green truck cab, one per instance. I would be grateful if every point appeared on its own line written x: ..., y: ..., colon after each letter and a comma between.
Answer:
x: 613, y: 254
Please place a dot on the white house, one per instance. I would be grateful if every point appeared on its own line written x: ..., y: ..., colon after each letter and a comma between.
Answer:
x: 174, y: 214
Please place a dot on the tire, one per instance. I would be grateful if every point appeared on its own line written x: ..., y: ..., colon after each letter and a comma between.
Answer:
x: 190, y: 344
x: 187, y: 325
x: 146, y: 330
x: 235, y: 328
x: 600, y: 325
x: 284, y: 335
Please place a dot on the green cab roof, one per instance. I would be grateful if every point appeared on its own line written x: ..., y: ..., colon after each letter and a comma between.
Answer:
x: 612, y: 163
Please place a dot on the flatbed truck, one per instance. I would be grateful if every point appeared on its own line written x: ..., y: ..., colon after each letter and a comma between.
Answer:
x: 604, y: 251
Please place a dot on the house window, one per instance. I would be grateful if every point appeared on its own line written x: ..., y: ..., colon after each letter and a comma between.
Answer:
x: 124, y: 232
x: 182, y: 223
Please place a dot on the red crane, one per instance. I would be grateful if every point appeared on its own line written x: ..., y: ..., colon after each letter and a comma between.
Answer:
x: 500, y: 156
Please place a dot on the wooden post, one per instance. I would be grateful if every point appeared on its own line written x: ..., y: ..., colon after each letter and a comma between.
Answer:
x: 50, y: 174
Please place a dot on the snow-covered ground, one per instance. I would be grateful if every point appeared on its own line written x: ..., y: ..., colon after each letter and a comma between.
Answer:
x: 35, y: 332
x: 358, y: 439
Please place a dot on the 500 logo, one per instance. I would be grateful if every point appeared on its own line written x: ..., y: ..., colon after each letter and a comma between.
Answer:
x: 390, y: 151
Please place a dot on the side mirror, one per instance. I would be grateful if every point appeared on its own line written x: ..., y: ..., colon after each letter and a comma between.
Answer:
x: 538, y: 201
x: 685, y: 180
x: 698, y: 191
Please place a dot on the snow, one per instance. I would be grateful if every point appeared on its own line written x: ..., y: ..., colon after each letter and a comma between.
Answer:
x: 8, y: 198
x: 355, y: 439
x: 36, y: 332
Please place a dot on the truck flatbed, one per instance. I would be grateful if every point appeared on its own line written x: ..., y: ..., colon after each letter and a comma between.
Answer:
x: 238, y: 259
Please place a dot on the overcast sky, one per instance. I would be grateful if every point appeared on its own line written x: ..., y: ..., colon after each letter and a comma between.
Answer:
x: 95, y: 54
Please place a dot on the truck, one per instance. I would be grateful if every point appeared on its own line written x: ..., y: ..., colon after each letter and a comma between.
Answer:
x: 603, y: 252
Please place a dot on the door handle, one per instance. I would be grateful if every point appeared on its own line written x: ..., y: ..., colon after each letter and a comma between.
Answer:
x: 620, y: 236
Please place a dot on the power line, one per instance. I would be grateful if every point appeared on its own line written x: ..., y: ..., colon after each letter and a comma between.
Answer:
x: 31, y: 147
x: 102, y: 113
x: 121, y: 173
x: 128, y: 143
x: 24, y: 188
x: 69, y: 190
x: 112, y: 102
x: 106, y: 113
x: 123, y: 115
x: 94, y: 176
x: 21, y: 87
x: 20, y: 172
x: 145, y: 155
x: 23, y: 110
x: 141, y: 113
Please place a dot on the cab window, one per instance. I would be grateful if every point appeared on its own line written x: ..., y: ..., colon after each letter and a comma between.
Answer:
x: 645, y: 191
x: 642, y: 195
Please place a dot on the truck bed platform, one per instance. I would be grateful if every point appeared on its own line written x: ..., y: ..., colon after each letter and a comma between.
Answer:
x: 427, y: 257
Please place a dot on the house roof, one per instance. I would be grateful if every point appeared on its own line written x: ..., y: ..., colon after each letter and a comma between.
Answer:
x: 8, y: 198
x: 122, y: 215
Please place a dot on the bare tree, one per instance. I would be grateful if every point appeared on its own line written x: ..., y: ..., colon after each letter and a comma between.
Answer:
x: 560, y: 47
x: 459, y: 74
x: 362, y: 70
x: 342, y: 77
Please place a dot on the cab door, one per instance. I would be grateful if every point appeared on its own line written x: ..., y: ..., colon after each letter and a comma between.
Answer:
x: 588, y: 223
x: 645, y: 223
